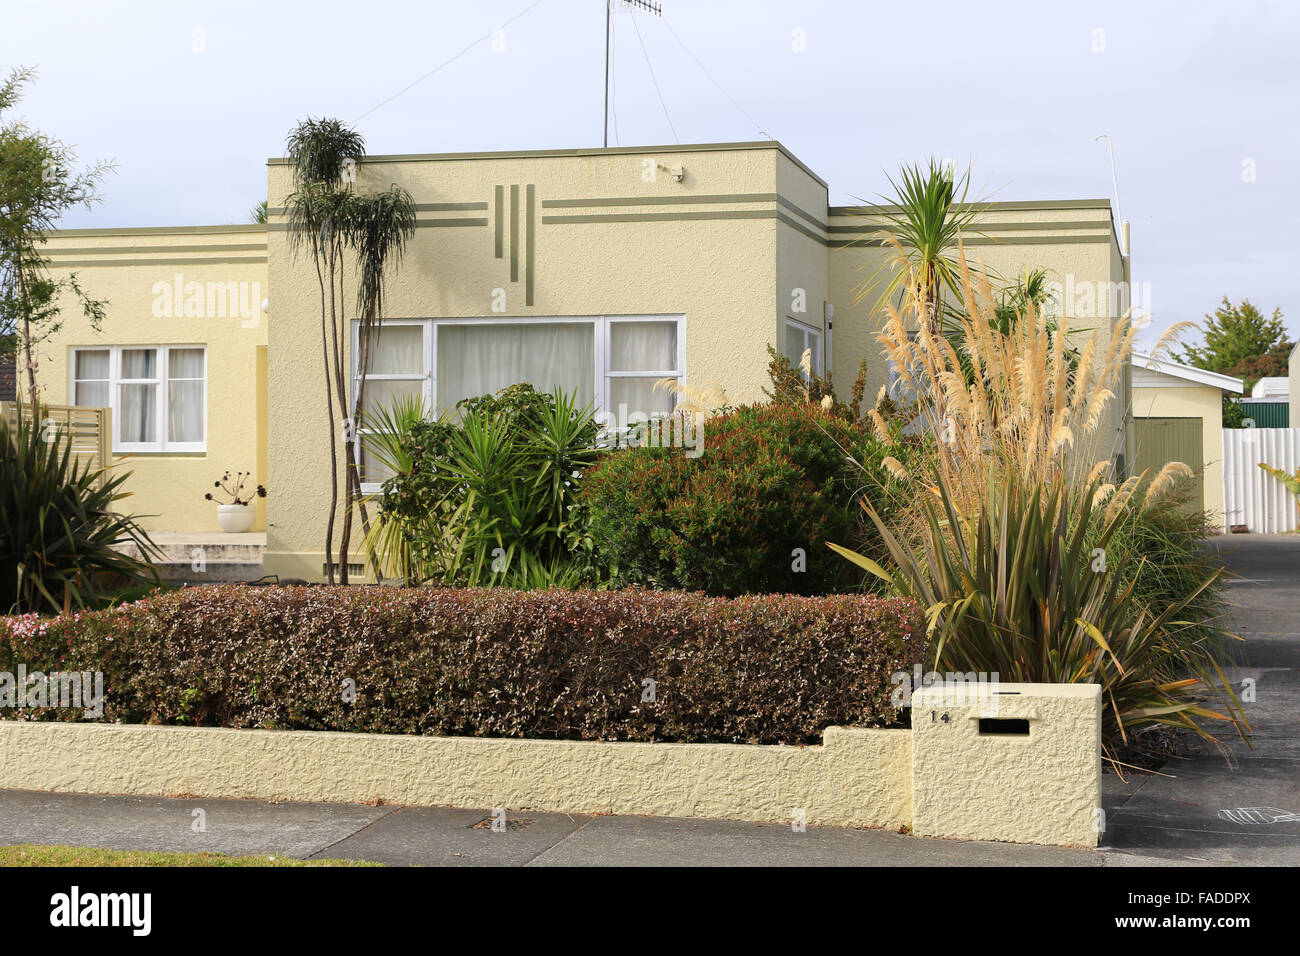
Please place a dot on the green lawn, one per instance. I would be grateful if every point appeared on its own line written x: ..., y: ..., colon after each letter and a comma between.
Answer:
x: 27, y: 854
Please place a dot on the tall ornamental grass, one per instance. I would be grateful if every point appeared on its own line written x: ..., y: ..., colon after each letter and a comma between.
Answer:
x: 1019, y: 540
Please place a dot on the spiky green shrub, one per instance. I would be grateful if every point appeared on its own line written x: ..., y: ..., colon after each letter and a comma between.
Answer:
x: 491, y: 494
x: 492, y: 662
x: 58, y: 523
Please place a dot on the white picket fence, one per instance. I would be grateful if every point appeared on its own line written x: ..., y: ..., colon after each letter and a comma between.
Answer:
x: 1251, y: 496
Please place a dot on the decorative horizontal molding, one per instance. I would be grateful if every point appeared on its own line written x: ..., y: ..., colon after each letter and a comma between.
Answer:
x: 419, y: 207
x: 686, y: 216
x: 979, y: 227
x: 160, y: 231
x: 135, y: 250
x: 420, y: 223
x: 865, y: 240
x: 685, y: 200
x: 990, y: 241
x: 163, y: 261
x: 876, y: 210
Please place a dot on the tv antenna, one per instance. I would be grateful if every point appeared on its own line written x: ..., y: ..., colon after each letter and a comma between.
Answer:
x: 1114, y: 179
x: 645, y: 6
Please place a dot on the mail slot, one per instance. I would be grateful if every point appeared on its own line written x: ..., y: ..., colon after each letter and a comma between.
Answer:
x: 1002, y: 727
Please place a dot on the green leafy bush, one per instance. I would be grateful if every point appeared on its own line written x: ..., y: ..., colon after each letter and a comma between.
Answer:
x: 491, y: 498
x: 573, y: 665
x: 771, y: 479
x: 58, y: 526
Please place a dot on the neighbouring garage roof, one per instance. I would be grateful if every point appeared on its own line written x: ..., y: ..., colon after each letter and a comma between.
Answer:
x: 1187, y: 374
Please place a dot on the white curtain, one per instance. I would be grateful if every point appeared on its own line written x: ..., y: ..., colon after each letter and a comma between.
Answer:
x: 640, y: 347
x: 185, y: 395
x: 396, y: 350
x: 139, y: 410
x: 629, y: 396
x: 480, y: 359
x: 91, y: 376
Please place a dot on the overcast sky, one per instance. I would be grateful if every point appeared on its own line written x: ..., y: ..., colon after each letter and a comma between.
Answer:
x: 1200, y: 100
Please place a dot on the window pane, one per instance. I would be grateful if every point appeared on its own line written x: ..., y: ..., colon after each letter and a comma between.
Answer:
x: 184, y: 363
x: 629, y: 395
x: 397, y: 350
x: 92, y: 364
x: 477, y: 360
x: 92, y: 394
x: 372, y: 469
x: 642, y: 346
x: 184, y: 410
x: 380, y: 393
x: 139, y: 363
x: 794, y: 344
x: 137, y: 413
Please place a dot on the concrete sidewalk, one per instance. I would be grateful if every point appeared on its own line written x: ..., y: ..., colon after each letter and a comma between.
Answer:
x: 423, y: 836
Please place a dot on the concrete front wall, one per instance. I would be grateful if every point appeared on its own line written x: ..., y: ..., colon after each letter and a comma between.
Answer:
x: 610, y: 233
x: 1073, y: 240
x: 1192, y: 401
x: 950, y: 775
x: 859, y: 777
x: 122, y: 266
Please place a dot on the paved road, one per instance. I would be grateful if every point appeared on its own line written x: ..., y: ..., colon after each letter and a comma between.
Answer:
x: 1152, y: 820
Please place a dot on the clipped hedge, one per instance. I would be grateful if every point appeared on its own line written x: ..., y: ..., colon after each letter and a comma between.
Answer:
x: 486, y: 662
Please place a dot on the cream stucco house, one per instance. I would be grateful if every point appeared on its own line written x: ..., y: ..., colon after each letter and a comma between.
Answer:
x: 598, y: 269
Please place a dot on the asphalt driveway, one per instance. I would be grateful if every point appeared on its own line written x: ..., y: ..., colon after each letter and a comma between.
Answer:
x: 1246, y: 810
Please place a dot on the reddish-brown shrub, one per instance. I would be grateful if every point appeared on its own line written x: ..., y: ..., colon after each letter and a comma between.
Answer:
x: 477, y: 662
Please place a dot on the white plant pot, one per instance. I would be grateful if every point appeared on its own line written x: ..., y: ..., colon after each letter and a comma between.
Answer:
x: 235, y: 519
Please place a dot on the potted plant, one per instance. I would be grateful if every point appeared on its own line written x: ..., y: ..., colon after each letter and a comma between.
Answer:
x: 235, y: 515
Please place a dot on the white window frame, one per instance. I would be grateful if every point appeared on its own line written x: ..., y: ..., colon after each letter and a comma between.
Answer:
x: 601, y: 350
x: 159, y: 382
x: 812, y: 339
x: 426, y: 379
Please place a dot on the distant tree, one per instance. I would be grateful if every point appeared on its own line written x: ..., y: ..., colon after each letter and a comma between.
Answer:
x: 1234, y: 334
x: 1273, y: 364
x: 1240, y: 341
x: 38, y: 184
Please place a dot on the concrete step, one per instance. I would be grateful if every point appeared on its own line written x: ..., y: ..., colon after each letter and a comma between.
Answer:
x: 199, y: 557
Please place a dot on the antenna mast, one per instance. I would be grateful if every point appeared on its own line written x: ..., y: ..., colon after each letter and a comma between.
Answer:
x: 646, y: 6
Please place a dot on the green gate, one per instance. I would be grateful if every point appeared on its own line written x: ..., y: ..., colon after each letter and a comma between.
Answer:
x: 1162, y: 440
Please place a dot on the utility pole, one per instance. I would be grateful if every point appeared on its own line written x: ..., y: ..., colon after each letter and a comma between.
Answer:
x: 646, y: 6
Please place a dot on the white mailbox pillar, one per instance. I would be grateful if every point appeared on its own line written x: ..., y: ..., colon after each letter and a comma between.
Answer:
x: 1014, y: 762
